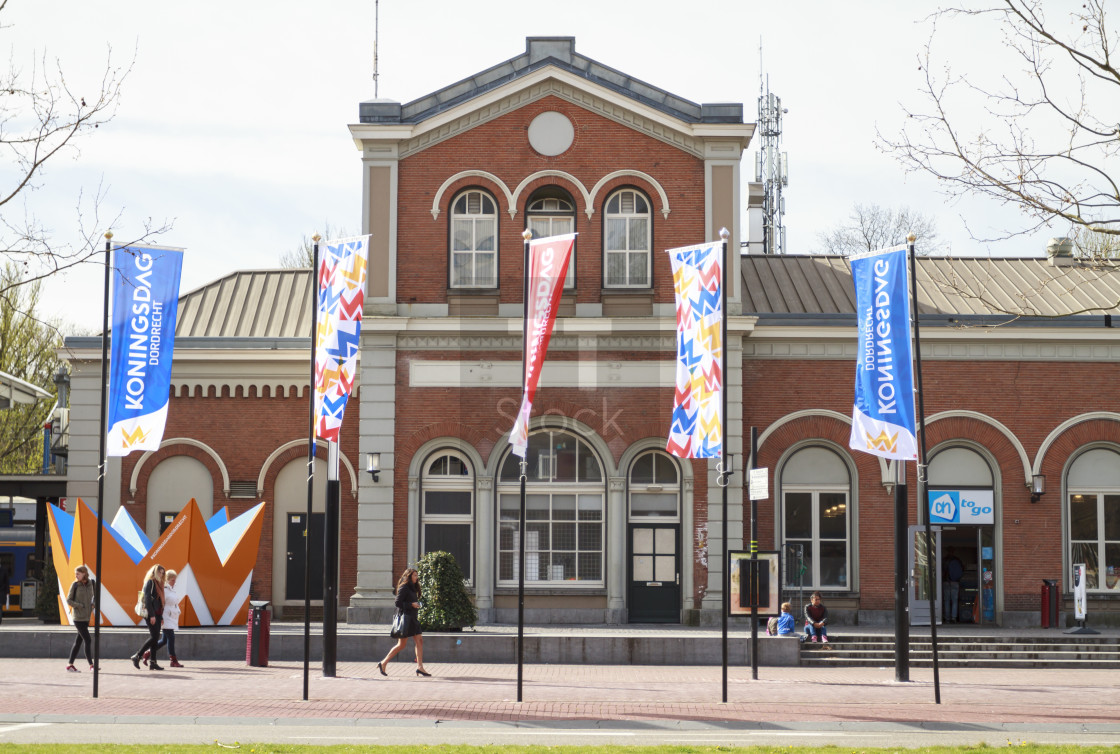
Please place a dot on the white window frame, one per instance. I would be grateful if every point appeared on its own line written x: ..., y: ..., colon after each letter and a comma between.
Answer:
x: 548, y: 486
x: 656, y: 488
x: 537, y: 214
x: 1101, y: 542
x: 813, y: 575
x: 632, y: 245
x: 473, y: 251
x: 446, y: 482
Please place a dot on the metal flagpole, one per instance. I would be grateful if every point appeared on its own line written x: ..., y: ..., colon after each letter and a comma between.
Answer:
x: 901, y: 577
x: 101, y: 464
x: 330, y: 563
x: 921, y: 482
x: 310, y: 469
x: 526, y: 236
x: 724, y: 465
x: 754, y: 592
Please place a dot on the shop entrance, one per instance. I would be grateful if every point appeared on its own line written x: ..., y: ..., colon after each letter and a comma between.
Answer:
x: 973, y: 548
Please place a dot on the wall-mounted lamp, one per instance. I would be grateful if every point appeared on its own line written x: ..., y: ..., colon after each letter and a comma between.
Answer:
x: 373, y: 464
x: 1038, y: 487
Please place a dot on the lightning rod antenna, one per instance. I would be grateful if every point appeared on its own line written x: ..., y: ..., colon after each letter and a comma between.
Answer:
x: 376, y: 9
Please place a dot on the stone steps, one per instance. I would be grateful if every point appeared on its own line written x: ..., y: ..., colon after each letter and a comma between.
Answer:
x: 971, y: 652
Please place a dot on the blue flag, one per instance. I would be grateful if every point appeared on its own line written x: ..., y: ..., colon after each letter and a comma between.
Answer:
x: 145, y: 304
x: 883, y: 415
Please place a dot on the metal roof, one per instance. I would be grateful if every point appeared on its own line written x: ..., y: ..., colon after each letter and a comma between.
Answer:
x: 958, y: 287
x: 540, y: 52
x: 272, y: 304
x: 14, y: 391
x: 250, y: 304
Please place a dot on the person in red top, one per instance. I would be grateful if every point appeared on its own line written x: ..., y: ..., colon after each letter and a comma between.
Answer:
x: 816, y: 619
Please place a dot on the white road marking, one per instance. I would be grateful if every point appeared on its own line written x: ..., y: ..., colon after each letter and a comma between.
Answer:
x: 21, y: 726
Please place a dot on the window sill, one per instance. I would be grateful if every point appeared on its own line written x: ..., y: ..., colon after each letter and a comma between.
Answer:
x: 539, y: 591
x: 467, y: 302
x: 627, y: 302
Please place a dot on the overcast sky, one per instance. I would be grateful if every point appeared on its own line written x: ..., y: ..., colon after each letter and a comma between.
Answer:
x: 233, y: 121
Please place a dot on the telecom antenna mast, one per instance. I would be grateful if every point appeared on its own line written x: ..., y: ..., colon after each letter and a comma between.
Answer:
x: 771, y: 169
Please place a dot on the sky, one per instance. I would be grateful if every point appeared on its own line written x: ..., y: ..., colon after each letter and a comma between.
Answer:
x: 233, y: 121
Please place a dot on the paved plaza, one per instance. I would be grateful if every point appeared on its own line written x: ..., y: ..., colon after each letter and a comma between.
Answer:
x: 41, y: 690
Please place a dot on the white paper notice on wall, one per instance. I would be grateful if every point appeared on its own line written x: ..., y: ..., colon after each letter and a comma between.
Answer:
x: 760, y: 484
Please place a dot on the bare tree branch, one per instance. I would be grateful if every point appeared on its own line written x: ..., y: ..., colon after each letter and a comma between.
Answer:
x: 872, y: 227
x: 1049, y: 142
x: 41, y: 119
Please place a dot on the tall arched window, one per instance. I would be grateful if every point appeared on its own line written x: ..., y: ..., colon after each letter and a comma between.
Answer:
x: 551, y: 212
x: 447, y: 508
x: 1093, y: 486
x: 815, y: 514
x: 564, y: 505
x: 474, y: 240
x: 628, y: 237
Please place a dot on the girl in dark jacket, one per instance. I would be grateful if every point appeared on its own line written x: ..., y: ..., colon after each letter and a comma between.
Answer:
x: 80, y: 600
x: 153, y: 605
x: 408, y: 605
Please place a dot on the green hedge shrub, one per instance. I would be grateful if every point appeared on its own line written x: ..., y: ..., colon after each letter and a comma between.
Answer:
x: 446, y: 604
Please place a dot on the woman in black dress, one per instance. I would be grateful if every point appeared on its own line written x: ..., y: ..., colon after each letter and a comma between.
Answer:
x: 152, y: 596
x: 408, y: 605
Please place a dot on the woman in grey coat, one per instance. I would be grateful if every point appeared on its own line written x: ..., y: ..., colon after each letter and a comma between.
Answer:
x: 80, y: 600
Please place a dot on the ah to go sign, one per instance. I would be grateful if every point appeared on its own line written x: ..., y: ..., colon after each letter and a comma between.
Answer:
x: 961, y: 507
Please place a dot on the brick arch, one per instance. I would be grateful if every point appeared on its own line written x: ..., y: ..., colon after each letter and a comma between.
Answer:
x: 988, y: 436
x: 464, y: 178
x: 145, y: 464
x: 409, y: 446
x: 611, y: 181
x: 543, y: 178
x: 1055, y: 456
x: 1100, y: 426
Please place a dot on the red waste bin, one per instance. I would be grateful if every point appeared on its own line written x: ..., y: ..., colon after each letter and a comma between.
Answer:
x: 256, y: 644
x: 1049, y: 606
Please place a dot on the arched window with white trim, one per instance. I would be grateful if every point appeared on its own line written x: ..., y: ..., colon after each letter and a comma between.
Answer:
x: 565, y: 502
x: 474, y: 240
x: 550, y: 211
x: 447, y: 508
x: 815, y: 513
x: 627, y: 240
x: 1093, y: 486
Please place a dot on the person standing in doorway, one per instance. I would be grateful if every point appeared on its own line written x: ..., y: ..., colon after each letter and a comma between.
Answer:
x: 954, y: 570
x: 153, y: 606
x: 80, y: 600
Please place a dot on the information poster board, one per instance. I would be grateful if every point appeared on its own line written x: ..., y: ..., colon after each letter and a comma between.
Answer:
x: 765, y: 587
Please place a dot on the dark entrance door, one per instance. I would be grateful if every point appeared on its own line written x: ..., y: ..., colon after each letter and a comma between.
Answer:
x: 655, y: 567
x: 293, y: 589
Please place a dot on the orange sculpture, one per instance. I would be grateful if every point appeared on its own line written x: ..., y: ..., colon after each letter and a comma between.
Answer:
x: 214, y: 559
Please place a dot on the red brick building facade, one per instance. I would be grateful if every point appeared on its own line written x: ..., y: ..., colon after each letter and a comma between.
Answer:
x: 617, y: 530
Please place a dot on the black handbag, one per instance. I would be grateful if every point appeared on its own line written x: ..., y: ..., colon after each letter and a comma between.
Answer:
x: 399, y: 623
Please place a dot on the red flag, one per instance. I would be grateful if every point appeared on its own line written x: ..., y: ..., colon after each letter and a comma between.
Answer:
x: 548, y: 266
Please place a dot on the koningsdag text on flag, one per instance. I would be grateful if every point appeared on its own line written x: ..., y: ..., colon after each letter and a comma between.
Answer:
x: 697, y: 423
x: 145, y: 305
x: 548, y: 266
x: 883, y: 415
x: 343, y: 266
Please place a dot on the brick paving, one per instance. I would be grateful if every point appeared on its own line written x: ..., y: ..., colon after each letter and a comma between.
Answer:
x: 42, y: 690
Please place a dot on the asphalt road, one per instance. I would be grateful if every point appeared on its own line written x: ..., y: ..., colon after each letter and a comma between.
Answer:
x: 558, y: 733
